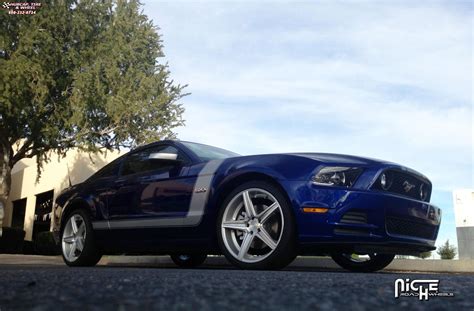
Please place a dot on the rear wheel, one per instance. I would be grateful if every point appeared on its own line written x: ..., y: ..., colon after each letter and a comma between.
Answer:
x: 78, y: 246
x: 362, y: 262
x: 256, y: 228
x: 189, y: 260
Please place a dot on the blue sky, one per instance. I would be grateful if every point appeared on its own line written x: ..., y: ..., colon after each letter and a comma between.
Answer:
x: 390, y: 80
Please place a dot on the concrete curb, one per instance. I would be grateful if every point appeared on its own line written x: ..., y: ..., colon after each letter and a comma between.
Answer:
x: 432, y: 265
x: 412, y: 265
x: 415, y: 265
x: 17, y: 259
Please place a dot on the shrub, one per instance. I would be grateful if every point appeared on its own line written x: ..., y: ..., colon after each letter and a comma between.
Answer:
x: 28, y: 248
x: 45, y: 244
x: 447, y: 251
x: 11, y: 241
x: 425, y: 255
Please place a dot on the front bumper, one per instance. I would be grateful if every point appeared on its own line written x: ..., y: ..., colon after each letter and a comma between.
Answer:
x: 362, y: 220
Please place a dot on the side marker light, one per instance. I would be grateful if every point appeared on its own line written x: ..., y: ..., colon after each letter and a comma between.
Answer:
x: 319, y: 210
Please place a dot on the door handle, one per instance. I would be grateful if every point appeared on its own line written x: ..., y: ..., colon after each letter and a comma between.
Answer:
x: 120, y: 182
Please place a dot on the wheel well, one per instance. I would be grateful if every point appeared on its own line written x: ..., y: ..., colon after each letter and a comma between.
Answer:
x: 230, y: 185
x: 72, y: 207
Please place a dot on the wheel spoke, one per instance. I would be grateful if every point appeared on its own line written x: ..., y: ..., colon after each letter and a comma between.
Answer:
x: 266, y: 238
x: 263, y: 216
x: 73, y: 225
x: 235, y: 225
x: 244, y: 248
x: 79, y: 244
x: 68, y: 239
x: 249, y: 208
x: 72, y: 251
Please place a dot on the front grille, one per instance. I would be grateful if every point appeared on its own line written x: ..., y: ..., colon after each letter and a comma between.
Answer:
x: 404, y: 183
x: 400, y: 226
x: 354, y: 218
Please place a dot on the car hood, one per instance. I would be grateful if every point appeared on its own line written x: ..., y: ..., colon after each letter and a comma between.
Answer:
x: 332, y: 158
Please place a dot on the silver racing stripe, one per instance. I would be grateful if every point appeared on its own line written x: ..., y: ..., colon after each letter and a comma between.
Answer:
x: 100, y: 225
x: 199, y: 199
x: 196, y: 207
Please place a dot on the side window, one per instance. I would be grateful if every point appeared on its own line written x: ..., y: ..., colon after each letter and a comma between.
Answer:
x: 140, y: 162
x: 110, y: 170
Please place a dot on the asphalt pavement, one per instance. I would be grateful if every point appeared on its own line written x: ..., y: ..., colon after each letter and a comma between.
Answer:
x: 47, y: 287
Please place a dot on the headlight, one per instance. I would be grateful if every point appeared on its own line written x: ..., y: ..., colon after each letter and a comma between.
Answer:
x: 423, y: 192
x: 386, y: 181
x: 337, y: 176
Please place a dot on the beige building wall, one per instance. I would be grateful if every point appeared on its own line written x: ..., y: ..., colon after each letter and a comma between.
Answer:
x: 76, y: 166
x: 463, y: 201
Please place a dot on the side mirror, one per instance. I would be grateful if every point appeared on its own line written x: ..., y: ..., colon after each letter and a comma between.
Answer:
x: 163, y: 156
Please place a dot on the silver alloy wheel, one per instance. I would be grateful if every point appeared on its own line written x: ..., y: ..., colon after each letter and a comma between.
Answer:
x: 252, y: 225
x: 74, y: 237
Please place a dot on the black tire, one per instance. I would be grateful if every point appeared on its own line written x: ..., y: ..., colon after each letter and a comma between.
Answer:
x: 189, y: 260
x: 375, y: 263
x: 286, y: 250
x: 90, y: 254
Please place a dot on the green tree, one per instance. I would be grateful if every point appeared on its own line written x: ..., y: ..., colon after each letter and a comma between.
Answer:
x: 425, y: 255
x: 447, y: 251
x: 85, y: 74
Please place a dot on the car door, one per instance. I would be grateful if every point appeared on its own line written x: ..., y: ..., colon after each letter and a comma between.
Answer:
x: 101, y: 188
x: 153, y: 190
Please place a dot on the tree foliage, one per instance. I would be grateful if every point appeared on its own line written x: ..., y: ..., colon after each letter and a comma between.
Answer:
x: 425, y: 255
x: 82, y: 74
x: 447, y: 251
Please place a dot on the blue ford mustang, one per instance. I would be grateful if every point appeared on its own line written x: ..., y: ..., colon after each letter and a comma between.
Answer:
x: 190, y: 200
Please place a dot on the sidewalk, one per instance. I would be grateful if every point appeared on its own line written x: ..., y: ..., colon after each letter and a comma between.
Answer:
x: 413, y: 265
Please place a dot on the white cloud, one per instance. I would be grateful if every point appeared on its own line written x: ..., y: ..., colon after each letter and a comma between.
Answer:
x: 380, y: 80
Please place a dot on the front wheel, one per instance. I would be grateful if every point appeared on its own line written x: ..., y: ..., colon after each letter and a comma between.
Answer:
x: 189, y: 260
x: 256, y: 228
x: 78, y: 246
x: 362, y: 262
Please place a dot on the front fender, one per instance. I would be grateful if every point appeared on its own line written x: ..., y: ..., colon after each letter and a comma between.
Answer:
x: 77, y: 202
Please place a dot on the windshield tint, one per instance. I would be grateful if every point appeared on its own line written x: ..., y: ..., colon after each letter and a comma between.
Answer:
x: 207, y: 153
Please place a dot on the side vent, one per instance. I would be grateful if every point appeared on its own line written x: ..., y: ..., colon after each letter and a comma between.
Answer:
x: 354, y: 218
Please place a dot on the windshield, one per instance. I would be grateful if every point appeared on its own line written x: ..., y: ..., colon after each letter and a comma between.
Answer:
x: 207, y: 153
